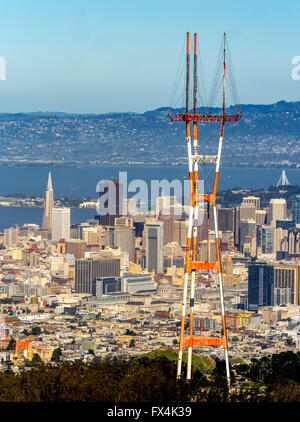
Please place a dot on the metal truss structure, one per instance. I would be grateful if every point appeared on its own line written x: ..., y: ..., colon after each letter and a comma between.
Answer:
x: 191, y: 264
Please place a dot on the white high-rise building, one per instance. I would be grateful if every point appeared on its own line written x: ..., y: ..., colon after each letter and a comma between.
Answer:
x: 167, y: 205
x: 277, y: 210
x: 61, y: 221
x: 255, y: 200
x: 11, y: 236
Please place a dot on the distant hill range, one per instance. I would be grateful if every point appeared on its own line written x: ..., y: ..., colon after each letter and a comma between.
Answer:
x: 267, y: 136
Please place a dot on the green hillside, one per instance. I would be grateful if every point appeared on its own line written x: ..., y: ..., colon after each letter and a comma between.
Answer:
x: 198, y: 362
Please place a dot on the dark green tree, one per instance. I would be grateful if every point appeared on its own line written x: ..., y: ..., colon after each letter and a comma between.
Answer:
x: 290, y: 342
x: 130, y: 333
x: 11, y: 345
x: 132, y: 343
x: 36, y: 360
x: 56, y: 355
x: 36, y: 331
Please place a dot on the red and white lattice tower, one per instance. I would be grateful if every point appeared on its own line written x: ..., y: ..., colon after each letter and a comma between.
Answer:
x: 191, y: 264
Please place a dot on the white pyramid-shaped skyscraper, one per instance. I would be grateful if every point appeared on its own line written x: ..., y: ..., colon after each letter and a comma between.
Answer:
x: 49, y: 204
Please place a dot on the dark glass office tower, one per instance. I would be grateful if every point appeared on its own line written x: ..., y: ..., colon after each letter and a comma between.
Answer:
x: 87, y: 270
x: 111, y: 199
x: 154, y: 246
x: 226, y: 219
x: 265, y: 239
x: 260, y: 285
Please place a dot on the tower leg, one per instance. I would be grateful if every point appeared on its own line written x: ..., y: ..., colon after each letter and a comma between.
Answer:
x: 185, y: 288
x: 192, y: 293
x: 221, y: 296
x: 179, y: 363
x: 191, y: 324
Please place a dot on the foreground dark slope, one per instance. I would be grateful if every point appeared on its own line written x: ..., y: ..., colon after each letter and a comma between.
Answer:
x: 269, y: 379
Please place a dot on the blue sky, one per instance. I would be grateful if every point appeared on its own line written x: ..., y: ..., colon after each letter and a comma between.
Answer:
x: 95, y: 56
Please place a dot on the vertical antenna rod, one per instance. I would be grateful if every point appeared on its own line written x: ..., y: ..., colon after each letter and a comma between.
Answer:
x: 224, y: 74
x: 187, y: 72
x: 195, y: 76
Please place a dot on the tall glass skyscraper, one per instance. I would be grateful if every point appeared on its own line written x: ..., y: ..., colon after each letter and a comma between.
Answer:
x: 296, y: 209
x: 265, y: 239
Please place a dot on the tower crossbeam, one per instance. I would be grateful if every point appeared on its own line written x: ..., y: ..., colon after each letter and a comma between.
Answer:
x: 205, y: 117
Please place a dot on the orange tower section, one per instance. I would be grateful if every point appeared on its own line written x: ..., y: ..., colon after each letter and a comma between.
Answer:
x: 191, y: 264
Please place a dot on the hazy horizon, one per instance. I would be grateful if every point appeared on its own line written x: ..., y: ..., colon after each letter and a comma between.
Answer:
x: 129, y: 111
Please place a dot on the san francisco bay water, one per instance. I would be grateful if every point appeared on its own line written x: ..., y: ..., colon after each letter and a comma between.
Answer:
x: 82, y: 181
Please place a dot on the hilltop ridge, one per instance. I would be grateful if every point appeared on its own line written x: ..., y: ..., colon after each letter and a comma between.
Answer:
x: 266, y: 136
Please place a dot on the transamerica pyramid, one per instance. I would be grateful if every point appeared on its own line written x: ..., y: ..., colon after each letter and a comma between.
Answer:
x: 49, y: 204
